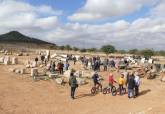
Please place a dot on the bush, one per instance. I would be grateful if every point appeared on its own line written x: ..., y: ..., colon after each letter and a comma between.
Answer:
x: 83, y: 50
x: 133, y: 51
x: 107, y: 49
x: 147, y: 53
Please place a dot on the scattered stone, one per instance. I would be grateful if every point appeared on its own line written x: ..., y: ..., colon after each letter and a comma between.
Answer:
x: 52, y: 75
x: 67, y: 73
x: 53, y: 56
x: 26, y: 54
x: 14, y: 60
x: 22, y: 71
x: 163, y: 79
x: 59, y: 81
x: 34, y: 64
x: 7, y: 60
x: 1, y: 59
x: 81, y: 81
x: 34, y: 72
x: 17, y: 71
x: 20, y: 54
x: 12, y: 69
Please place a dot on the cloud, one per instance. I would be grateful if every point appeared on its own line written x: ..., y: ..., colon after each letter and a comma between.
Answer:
x: 43, y: 22
x: 96, y: 9
x: 15, y: 14
x: 159, y: 10
x: 31, y: 20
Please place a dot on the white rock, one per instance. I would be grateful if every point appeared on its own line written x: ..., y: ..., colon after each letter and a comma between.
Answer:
x: 14, y: 60
x: 28, y: 66
x: 52, y: 75
x: 2, y: 59
x: 22, y: 71
x: 81, y: 81
x: 17, y: 71
x: 34, y: 64
x: 67, y: 73
x: 143, y: 60
x: 77, y: 57
x: 163, y: 79
x: 150, y: 61
x: 34, y: 72
x: 53, y: 56
x: 47, y: 52
x: 12, y: 69
x: 59, y: 81
x: 7, y: 60
x: 64, y: 56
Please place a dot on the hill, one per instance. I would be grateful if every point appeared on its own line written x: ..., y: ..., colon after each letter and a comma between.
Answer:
x: 17, y: 37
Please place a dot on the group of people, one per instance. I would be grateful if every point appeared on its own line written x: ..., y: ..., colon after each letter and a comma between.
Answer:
x: 60, y: 66
x: 131, y: 81
x: 95, y: 63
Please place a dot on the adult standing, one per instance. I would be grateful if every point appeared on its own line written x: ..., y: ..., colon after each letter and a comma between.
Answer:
x: 137, y: 84
x: 73, y: 84
x: 131, y: 85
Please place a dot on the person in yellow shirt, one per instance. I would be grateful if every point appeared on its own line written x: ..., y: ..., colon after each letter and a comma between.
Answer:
x: 121, y: 82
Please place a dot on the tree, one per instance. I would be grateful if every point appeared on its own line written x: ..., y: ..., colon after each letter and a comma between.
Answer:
x: 53, y: 47
x: 83, y: 50
x: 121, y: 51
x: 147, y: 53
x: 68, y: 47
x: 107, y: 49
x: 92, y: 50
x: 61, y: 47
x: 161, y: 53
x: 133, y: 51
x: 75, y: 48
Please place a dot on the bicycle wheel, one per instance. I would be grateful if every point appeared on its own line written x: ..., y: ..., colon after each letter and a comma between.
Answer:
x: 93, y: 90
x: 108, y: 90
x: 113, y: 91
x: 105, y: 91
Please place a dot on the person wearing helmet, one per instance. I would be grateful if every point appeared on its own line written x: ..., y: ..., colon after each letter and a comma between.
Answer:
x: 111, y: 80
x: 96, y: 82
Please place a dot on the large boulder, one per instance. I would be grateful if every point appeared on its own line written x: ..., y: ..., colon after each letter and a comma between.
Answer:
x: 34, y: 72
x: 67, y: 73
x: 59, y: 81
x: 14, y: 60
x: 7, y: 60
x: 163, y: 79
x: 53, y: 56
x: 81, y: 81
x: 2, y: 59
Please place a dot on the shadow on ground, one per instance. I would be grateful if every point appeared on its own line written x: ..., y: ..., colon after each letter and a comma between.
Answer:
x: 84, y: 95
x: 144, y: 92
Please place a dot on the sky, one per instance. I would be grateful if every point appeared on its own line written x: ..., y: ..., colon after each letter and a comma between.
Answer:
x: 126, y: 24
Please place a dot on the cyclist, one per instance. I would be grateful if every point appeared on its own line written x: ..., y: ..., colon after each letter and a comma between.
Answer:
x: 96, y: 82
x: 111, y: 80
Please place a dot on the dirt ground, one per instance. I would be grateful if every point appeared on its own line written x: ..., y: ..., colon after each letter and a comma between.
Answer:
x: 19, y: 94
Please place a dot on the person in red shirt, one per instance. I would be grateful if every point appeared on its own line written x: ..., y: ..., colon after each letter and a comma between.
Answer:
x: 111, y: 80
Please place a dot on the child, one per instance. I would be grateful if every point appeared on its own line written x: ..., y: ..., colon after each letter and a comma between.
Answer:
x: 111, y: 80
x: 121, y: 83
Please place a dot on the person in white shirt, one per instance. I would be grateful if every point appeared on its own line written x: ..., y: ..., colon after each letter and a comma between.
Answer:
x: 137, y: 83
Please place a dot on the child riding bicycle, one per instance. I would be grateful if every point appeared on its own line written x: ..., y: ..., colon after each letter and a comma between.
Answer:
x: 111, y: 80
x: 96, y: 79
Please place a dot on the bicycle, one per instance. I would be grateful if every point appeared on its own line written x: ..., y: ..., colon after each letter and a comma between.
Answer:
x: 118, y: 91
x: 110, y: 89
x: 96, y: 89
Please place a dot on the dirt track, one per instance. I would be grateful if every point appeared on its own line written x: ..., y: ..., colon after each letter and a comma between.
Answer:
x: 20, y: 95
